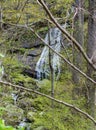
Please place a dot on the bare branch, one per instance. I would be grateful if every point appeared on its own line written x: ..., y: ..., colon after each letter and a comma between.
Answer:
x: 64, y: 59
x: 22, y: 11
x: 66, y: 33
x: 51, y: 98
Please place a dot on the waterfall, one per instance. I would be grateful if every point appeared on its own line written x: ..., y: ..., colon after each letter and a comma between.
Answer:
x: 42, y: 66
x: 1, y: 67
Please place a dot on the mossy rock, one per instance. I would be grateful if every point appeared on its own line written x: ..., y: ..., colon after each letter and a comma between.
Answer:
x: 13, y: 115
x: 25, y: 103
x: 31, y: 116
x: 7, y: 99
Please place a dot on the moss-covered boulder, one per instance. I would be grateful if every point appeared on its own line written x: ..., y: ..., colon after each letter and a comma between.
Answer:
x: 26, y: 103
x: 13, y: 115
x: 31, y: 116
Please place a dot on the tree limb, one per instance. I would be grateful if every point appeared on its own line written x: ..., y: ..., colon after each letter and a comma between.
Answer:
x: 64, y: 59
x: 66, y: 33
x: 51, y: 98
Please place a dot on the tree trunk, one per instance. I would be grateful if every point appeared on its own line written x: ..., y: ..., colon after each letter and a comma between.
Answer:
x: 0, y: 17
x: 91, y: 47
x: 51, y: 68
x: 79, y: 36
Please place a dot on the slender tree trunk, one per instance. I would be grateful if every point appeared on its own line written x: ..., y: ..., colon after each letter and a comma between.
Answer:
x: 91, y: 47
x: 51, y: 68
x: 79, y: 36
x: 52, y: 76
x: 0, y: 17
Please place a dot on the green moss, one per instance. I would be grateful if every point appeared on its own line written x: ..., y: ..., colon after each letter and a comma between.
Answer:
x: 4, y: 127
x: 59, y: 117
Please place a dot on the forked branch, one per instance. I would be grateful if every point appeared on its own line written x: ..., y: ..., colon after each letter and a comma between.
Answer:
x: 66, y: 33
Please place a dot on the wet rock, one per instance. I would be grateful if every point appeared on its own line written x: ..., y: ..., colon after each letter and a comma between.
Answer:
x: 38, y: 43
x: 25, y: 124
x: 34, y: 53
x: 30, y: 72
x: 30, y: 59
x: 28, y: 45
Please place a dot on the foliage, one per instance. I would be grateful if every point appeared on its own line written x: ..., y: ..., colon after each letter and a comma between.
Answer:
x: 1, y: 55
x: 2, y: 109
x: 3, y: 127
x: 33, y: 12
x: 59, y: 117
x: 24, y: 11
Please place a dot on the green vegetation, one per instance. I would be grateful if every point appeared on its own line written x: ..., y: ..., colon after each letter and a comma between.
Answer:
x: 3, y: 127
x: 59, y: 117
x: 15, y: 44
x: 39, y: 111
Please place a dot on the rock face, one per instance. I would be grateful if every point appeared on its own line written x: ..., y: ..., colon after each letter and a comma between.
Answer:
x: 30, y: 57
x: 28, y: 45
x: 30, y: 72
x: 35, y: 57
x: 34, y: 53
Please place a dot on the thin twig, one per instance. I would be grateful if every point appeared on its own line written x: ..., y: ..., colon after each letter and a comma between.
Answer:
x: 64, y: 59
x: 66, y: 33
x: 52, y: 98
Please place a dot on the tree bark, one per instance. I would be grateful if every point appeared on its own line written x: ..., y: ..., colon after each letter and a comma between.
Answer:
x: 79, y: 36
x: 51, y: 68
x: 91, y: 47
x: 0, y: 17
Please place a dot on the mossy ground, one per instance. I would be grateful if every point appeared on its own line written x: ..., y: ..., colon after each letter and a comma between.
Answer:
x: 39, y: 109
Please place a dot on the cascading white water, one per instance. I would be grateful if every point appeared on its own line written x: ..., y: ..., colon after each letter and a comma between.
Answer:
x: 1, y: 67
x: 42, y: 66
